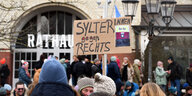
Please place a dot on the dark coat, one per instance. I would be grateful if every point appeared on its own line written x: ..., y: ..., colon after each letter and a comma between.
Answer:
x: 79, y: 69
x: 88, y: 66
x: 113, y: 71
x: 23, y: 77
x: 95, y: 69
x: 124, y: 73
x: 52, y: 89
x: 175, y: 72
x: 72, y: 67
x: 4, y: 73
x: 68, y: 70
x: 189, y: 77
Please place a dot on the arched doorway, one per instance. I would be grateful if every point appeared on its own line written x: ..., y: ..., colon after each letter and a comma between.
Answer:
x: 41, y: 21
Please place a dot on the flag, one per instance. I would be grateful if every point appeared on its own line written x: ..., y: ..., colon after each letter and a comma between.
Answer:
x: 117, y: 14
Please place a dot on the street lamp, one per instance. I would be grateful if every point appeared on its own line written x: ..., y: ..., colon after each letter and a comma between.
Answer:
x: 130, y: 7
x: 153, y: 7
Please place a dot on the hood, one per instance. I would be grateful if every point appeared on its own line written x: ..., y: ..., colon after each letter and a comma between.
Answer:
x: 52, y: 71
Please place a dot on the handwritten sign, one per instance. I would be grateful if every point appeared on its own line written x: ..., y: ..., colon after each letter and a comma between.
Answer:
x: 102, y: 36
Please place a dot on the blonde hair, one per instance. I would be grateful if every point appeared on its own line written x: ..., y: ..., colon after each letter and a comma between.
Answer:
x: 151, y: 89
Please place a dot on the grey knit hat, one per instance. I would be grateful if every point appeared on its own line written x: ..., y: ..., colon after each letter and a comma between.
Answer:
x: 85, y: 82
x: 104, y: 84
x: 113, y: 58
x: 100, y: 94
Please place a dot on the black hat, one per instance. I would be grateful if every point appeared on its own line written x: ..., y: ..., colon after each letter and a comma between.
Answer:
x: 171, y: 58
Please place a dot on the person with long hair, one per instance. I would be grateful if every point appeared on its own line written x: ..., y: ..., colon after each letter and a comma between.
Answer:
x: 127, y: 71
x: 151, y: 89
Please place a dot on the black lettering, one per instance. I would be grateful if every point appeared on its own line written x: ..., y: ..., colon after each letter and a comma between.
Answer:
x: 90, y: 47
x: 101, y: 26
x: 123, y: 21
x: 96, y: 38
x: 97, y: 47
x: 109, y: 25
x: 96, y: 26
x: 108, y: 49
x: 101, y: 46
x: 85, y: 47
x: 79, y: 44
x: 118, y: 22
x: 114, y: 21
x: 90, y: 31
x: 86, y: 27
x: 78, y: 26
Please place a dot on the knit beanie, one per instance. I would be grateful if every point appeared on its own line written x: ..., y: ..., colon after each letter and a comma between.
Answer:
x: 85, y: 82
x: 7, y: 87
x: 172, y: 90
x: 53, y: 72
x: 128, y: 84
x: 24, y: 64
x: 62, y: 61
x: 104, y: 84
x: 113, y: 58
x: 100, y: 94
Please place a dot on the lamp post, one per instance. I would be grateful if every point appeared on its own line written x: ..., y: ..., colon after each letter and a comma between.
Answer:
x: 153, y: 7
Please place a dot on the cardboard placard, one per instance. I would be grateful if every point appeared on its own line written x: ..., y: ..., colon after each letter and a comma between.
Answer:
x: 102, y: 36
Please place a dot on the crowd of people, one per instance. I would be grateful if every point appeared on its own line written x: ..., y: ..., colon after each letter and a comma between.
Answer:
x: 52, y: 77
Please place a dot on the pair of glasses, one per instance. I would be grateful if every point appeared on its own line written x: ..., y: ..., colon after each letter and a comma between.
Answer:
x: 20, y: 89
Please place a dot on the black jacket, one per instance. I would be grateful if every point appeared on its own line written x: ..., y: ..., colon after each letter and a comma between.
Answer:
x: 72, y: 67
x: 175, y: 71
x: 52, y: 89
x: 189, y: 77
x: 88, y: 69
x: 79, y: 69
x: 95, y: 69
x: 124, y: 73
x: 4, y: 72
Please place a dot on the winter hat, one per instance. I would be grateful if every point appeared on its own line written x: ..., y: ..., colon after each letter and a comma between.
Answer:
x: 53, y: 72
x: 85, y: 82
x: 190, y: 65
x: 62, y: 61
x: 185, y: 85
x: 24, y: 64
x: 3, y: 91
x: 104, y: 84
x: 172, y: 90
x: 7, y: 87
x: 113, y: 58
x: 170, y: 58
x: 128, y: 84
x: 100, y: 94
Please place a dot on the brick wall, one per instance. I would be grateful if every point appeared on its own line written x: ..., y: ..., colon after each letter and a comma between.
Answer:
x: 9, y: 61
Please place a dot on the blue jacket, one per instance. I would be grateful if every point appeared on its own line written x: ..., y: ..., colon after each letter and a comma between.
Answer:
x: 113, y: 71
x: 23, y: 76
x: 131, y: 92
x: 52, y: 89
x: 53, y: 80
